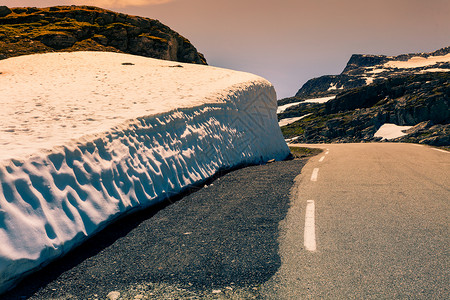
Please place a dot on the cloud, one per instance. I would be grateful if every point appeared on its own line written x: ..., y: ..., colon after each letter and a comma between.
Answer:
x: 121, y: 3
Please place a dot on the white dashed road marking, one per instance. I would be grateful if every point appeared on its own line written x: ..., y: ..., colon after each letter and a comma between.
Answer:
x: 310, y: 227
x: 314, y: 174
x: 321, y: 159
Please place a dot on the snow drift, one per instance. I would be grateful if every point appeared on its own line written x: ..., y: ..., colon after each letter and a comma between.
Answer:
x: 88, y: 137
x: 390, y: 131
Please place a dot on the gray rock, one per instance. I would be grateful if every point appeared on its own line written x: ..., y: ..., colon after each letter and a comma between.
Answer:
x: 117, y: 36
x: 101, y: 39
x: 4, y: 11
x: 57, y: 40
x: 436, y: 141
x: 419, y: 127
x: 141, y: 44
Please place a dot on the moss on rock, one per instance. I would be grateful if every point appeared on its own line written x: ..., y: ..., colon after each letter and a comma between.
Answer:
x: 86, y: 28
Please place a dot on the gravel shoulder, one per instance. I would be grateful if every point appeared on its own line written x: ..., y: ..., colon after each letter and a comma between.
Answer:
x: 218, y: 242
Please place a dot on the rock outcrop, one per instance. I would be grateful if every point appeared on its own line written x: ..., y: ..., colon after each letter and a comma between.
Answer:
x: 362, y: 70
x: 411, y: 92
x: 86, y: 28
x: 405, y: 100
x: 4, y: 11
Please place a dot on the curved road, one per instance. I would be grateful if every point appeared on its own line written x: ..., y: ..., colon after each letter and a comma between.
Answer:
x: 358, y: 221
x: 381, y: 225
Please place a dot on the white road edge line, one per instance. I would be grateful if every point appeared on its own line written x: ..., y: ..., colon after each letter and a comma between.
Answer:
x: 309, y: 238
x: 440, y: 150
x: 321, y: 159
x: 314, y: 174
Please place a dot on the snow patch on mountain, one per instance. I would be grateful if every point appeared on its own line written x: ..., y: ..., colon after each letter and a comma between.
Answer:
x: 391, y: 131
x: 287, y: 121
x: 319, y: 100
x: 88, y: 137
x: 282, y: 108
x: 434, y: 70
x: 418, y: 62
x: 333, y: 87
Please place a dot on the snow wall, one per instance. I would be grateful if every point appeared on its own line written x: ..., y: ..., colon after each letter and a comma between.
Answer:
x: 53, y: 200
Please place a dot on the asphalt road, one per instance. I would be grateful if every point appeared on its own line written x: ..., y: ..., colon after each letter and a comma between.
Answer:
x: 380, y: 223
x: 381, y: 226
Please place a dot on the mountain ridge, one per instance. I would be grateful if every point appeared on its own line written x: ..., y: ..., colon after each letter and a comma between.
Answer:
x: 363, y: 69
x: 405, y: 90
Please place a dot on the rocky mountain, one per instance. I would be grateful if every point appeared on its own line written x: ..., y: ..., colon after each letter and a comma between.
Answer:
x: 85, y: 28
x: 407, y: 90
x: 362, y: 70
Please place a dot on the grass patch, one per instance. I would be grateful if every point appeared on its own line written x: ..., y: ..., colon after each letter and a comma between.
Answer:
x: 291, y: 131
x: 155, y: 38
x: 304, y: 152
x: 118, y: 25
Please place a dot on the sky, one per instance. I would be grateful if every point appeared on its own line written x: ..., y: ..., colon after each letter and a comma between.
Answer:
x: 291, y: 41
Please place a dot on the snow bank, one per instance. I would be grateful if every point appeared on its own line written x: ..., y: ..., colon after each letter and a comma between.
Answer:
x: 391, y: 131
x: 88, y: 137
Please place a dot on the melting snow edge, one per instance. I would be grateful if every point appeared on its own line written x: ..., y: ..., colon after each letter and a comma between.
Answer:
x: 51, y: 202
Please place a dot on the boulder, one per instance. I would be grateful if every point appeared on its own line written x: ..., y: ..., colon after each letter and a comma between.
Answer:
x: 57, y: 40
x: 419, y: 127
x: 363, y: 61
x: 4, y: 11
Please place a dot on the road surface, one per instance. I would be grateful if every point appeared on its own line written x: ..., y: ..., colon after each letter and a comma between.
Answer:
x: 358, y: 221
x: 381, y: 225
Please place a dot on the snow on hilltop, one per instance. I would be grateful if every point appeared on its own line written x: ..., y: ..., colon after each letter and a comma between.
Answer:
x: 89, y: 136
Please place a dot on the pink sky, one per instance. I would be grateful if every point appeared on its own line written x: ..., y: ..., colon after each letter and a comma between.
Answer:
x: 291, y: 41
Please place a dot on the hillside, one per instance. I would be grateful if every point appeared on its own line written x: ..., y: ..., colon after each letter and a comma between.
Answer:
x: 407, y: 90
x: 85, y: 28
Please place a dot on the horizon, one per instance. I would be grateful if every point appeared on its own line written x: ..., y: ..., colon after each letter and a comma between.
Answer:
x: 289, y: 42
